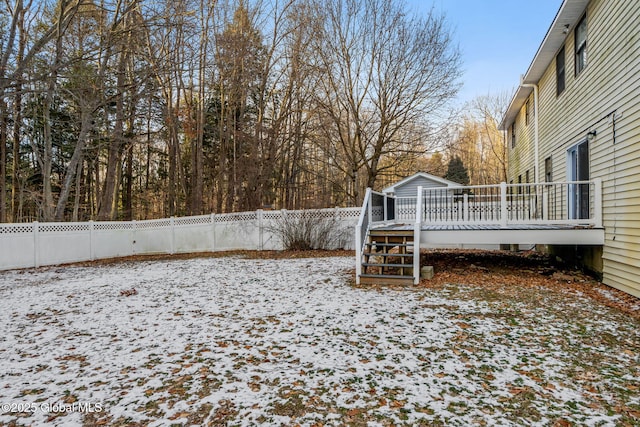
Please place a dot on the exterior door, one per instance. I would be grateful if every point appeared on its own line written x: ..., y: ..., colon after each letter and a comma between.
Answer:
x: 578, y: 164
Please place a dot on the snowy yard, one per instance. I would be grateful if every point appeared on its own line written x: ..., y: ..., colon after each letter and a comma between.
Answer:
x: 234, y: 341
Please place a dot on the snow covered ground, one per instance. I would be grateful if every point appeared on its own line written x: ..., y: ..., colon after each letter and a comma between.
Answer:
x: 234, y: 341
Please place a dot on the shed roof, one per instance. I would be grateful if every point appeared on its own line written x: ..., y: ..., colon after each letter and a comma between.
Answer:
x: 566, y: 19
x: 444, y: 182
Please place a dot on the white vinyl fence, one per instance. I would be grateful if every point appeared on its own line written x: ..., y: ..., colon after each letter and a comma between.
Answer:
x: 37, y: 244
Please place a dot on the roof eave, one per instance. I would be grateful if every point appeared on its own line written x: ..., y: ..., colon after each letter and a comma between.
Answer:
x: 568, y: 15
x: 426, y: 175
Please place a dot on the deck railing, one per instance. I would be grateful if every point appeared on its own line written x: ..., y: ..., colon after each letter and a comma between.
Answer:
x: 573, y: 203
x: 376, y: 208
x: 552, y: 203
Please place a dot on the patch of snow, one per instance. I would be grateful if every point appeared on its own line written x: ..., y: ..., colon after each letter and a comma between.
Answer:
x: 262, y: 334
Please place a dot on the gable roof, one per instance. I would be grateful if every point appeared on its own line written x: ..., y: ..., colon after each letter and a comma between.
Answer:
x: 566, y: 19
x: 428, y: 176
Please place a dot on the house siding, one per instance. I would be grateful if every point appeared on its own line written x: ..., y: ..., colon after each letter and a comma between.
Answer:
x: 410, y: 188
x: 603, y: 97
x: 521, y: 156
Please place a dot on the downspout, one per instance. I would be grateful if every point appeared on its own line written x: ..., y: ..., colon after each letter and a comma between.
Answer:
x: 536, y: 139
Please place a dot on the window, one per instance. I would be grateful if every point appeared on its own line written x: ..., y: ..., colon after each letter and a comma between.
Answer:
x: 527, y: 177
x: 548, y: 174
x: 528, y: 112
x: 581, y: 45
x: 513, y: 135
x: 560, y: 72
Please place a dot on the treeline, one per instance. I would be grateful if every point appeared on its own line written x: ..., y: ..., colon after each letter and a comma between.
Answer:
x: 134, y: 109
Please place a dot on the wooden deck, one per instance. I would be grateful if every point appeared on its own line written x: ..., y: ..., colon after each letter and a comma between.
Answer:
x: 467, y: 227
x: 494, y: 234
x: 504, y: 214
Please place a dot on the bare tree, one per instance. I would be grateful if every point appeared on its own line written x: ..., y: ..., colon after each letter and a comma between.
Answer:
x: 478, y: 142
x: 489, y: 111
x: 386, y: 72
x: 116, y: 109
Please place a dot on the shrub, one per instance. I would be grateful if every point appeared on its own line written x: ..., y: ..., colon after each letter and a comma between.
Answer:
x: 307, y: 230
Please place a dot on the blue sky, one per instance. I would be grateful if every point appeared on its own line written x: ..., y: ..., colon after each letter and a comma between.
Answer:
x: 497, y: 38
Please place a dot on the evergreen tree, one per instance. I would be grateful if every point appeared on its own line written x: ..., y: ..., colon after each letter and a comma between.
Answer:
x: 457, y: 172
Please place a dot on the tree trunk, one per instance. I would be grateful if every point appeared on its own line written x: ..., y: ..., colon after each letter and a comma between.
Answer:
x: 15, y: 173
x: 127, y: 201
x: 78, y: 193
x: 17, y: 120
x: 107, y: 209
x: 48, y: 209
x: 3, y: 162
x: 72, y: 167
x: 47, y: 194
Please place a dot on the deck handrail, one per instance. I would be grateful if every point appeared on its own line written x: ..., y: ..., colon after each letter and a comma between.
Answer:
x: 371, y: 213
x: 564, y: 202
x: 472, y: 187
x: 361, y: 231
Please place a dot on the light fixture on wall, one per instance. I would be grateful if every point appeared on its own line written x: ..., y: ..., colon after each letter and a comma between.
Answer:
x: 591, y: 135
x: 565, y: 30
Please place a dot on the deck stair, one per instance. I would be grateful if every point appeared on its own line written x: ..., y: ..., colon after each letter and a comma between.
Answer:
x: 388, y: 257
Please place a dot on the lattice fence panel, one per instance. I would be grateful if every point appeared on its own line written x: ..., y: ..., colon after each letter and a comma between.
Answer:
x: 113, y: 226
x: 193, y: 220
x: 349, y: 213
x: 237, y: 217
x: 153, y: 223
x: 272, y: 215
x: 16, y: 229
x: 62, y: 227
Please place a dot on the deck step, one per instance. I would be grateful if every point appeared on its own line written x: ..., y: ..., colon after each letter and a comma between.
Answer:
x: 385, y: 254
x: 385, y: 279
x: 389, y: 245
x: 384, y: 233
x: 386, y: 270
x: 390, y: 240
x: 369, y: 264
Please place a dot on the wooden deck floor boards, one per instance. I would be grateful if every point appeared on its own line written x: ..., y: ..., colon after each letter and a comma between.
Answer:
x: 471, y: 227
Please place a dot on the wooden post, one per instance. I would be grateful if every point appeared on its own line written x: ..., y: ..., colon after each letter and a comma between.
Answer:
x: 133, y: 237
x: 212, y: 219
x: 260, y: 230
x: 358, y: 253
x: 597, y: 201
x: 417, y: 229
x: 92, y: 253
x: 465, y: 208
x: 172, y: 222
x: 385, y: 216
x: 503, y: 205
x: 36, y: 244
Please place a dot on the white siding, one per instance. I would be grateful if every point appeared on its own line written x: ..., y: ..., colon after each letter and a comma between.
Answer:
x: 521, y: 156
x: 410, y: 188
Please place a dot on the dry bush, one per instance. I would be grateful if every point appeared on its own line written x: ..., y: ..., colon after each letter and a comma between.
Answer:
x: 306, y: 230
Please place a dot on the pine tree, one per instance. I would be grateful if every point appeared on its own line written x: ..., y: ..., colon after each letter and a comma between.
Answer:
x: 457, y: 172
